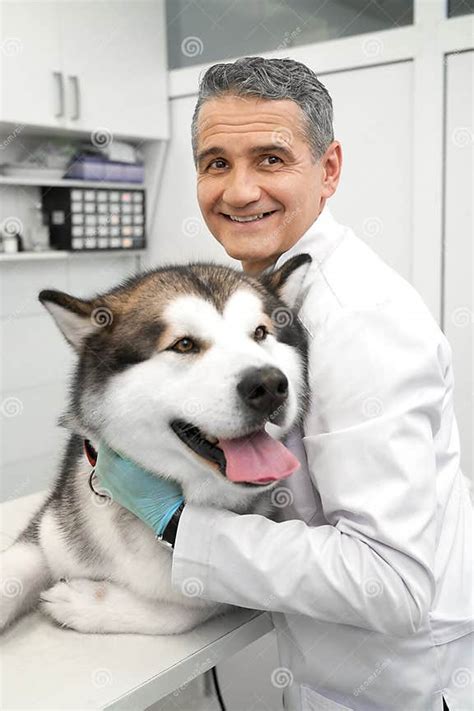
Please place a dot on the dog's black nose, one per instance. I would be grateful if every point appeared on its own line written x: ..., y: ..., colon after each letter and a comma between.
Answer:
x: 263, y: 389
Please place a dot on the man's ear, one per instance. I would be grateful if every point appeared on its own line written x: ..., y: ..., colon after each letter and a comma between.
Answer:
x: 76, y: 318
x: 287, y: 280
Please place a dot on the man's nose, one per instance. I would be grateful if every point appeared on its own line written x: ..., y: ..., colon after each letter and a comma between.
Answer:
x: 263, y: 389
x: 240, y: 190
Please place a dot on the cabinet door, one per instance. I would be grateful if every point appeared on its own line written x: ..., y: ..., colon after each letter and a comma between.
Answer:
x: 31, y: 64
x: 115, y: 58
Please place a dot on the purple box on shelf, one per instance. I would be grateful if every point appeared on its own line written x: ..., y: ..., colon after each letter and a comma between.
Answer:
x: 124, y: 172
x: 91, y: 168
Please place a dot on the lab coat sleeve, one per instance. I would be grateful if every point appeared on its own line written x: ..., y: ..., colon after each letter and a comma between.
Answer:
x: 377, y: 380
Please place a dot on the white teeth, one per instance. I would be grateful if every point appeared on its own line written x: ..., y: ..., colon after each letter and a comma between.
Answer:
x: 251, y: 218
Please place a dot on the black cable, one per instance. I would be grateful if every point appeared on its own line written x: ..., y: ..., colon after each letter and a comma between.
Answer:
x: 218, y: 691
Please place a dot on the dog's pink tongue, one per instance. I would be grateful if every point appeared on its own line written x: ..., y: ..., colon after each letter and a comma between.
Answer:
x: 257, y: 458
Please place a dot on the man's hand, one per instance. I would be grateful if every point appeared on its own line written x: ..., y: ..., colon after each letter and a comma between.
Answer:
x: 150, y: 497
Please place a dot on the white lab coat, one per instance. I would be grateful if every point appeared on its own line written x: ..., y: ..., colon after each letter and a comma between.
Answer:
x: 366, y: 574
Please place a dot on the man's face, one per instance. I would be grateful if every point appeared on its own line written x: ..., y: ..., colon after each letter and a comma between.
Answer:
x: 259, y: 186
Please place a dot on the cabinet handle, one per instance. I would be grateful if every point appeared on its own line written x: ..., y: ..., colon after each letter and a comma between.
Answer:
x: 77, y: 97
x: 60, y: 87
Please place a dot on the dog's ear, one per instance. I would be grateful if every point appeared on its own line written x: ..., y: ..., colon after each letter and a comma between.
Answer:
x: 287, y: 280
x: 76, y: 318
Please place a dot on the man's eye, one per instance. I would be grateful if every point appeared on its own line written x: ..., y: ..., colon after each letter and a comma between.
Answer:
x: 260, y: 333
x: 272, y: 160
x: 185, y: 345
x: 218, y: 163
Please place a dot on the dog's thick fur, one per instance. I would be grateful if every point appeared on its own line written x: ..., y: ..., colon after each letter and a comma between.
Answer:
x: 90, y: 563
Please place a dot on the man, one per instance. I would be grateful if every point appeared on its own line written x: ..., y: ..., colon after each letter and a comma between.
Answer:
x: 367, y: 577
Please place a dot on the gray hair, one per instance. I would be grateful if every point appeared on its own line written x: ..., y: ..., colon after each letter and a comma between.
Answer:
x: 272, y: 79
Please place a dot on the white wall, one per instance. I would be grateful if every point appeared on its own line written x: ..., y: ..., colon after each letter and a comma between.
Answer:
x: 36, y: 363
x: 458, y: 308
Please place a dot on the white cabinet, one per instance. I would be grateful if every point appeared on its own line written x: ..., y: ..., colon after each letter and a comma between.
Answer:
x: 31, y: 64
x: 115, y: 64
x: 93, y: 66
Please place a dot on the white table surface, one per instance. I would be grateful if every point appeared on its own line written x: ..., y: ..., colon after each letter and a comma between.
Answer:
x: 46, y: 667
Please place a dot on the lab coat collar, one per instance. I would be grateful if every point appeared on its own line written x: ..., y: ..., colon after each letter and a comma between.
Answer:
x: 318, y: 241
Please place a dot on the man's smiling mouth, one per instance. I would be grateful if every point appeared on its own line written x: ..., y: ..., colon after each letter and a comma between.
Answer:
x: 248, y: 218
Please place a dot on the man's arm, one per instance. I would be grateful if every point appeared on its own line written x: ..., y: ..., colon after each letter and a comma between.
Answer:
x: 378, y: 392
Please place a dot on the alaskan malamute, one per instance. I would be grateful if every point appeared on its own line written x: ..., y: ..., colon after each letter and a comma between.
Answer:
x: 188, y: 371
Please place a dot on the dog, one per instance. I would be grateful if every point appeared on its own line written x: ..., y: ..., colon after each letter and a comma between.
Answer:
x: 179, y: 368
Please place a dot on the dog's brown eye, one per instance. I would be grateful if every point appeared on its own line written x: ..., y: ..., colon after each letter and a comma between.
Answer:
x: 260, y: 333
x: 185, y: 345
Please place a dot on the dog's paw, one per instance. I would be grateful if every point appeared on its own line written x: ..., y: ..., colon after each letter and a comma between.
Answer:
x: 76, y: 603
x: 103, y: 606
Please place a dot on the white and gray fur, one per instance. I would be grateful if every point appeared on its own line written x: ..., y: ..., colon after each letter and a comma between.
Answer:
x: 89, y: 563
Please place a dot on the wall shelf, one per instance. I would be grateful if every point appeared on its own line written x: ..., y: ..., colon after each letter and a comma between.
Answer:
x: 63, y: 254
x: 65, y: 183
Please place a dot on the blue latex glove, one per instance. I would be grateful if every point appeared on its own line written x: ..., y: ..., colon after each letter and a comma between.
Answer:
x: 150, y: 497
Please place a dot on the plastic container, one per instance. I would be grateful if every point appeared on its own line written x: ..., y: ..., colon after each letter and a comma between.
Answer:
x: 92, y: 168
